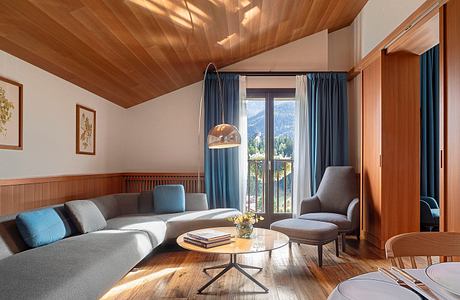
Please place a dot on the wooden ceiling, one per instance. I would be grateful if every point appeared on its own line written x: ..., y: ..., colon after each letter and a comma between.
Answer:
x: 130, y: 51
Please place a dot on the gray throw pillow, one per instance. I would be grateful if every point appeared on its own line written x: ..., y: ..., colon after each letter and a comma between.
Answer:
x: 85, y: 215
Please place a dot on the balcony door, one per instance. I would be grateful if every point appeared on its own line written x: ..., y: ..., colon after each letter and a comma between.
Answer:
x: 271, y: 125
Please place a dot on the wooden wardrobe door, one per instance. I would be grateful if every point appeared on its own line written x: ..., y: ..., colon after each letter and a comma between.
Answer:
x: 370, y: 164
x: 450, y: 53
x: 400, y: 176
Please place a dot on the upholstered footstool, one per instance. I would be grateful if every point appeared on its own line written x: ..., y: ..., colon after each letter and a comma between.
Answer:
x: 309, y: 232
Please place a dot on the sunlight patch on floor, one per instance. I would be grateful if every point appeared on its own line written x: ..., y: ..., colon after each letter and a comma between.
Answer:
x: 140, y: 281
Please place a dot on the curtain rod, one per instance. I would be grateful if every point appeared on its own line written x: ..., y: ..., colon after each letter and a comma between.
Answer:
x: 278, y: 73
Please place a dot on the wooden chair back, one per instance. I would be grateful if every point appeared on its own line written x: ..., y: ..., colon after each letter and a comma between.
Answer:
x: 425, y: 244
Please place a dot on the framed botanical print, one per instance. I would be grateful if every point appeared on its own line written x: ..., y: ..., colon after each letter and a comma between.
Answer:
x: 10, y: 114
x: 86, y: 130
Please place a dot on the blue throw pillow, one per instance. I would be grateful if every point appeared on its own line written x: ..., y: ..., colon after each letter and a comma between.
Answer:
x: 169, y: 199
x: 44, y: 226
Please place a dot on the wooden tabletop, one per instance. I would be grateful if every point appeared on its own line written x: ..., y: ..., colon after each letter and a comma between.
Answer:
x: 262, y: 240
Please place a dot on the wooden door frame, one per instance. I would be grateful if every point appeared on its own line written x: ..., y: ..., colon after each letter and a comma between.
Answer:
x: 442, y: 122
x: 269, y: 94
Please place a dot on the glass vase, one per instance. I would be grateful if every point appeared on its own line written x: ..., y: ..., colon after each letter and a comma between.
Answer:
x: 244, y: 230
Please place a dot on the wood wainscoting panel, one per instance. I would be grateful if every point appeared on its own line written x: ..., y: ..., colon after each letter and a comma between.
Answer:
x: 138, y: 182
x: 28, y: 193
x: 23, y: 194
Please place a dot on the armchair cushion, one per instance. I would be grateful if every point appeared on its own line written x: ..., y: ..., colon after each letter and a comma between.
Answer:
x: 338, y: 219
x: 310, y: 205
x: 353, y: 213
x: 337, y: 189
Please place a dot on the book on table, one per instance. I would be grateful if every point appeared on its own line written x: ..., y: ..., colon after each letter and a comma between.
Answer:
x: 207, y: 244
x: 209, y: 235
x: 208, y: 238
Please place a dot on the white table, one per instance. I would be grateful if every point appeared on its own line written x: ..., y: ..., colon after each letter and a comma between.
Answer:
x: 420, y: 274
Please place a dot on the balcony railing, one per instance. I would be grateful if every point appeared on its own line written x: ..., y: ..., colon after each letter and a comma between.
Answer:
x: 282, y: 187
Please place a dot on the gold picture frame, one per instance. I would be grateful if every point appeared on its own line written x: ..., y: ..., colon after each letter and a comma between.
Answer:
x: 10, y: 114
x: 85, y: 130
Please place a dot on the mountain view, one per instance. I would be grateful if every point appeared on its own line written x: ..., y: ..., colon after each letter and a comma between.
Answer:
x: 284, y: 127
x: 284, y: 122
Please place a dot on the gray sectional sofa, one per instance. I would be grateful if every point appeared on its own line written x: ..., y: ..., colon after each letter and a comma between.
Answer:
x: 86, y: 266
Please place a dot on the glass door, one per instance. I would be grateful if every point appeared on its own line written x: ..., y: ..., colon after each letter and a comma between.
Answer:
x: 271, y: 123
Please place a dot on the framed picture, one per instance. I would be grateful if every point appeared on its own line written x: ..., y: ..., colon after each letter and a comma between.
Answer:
x: 86, y: 130
x: 10, y: 114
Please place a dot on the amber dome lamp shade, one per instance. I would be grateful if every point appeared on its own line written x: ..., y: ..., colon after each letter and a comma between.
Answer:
x: 223, y: 136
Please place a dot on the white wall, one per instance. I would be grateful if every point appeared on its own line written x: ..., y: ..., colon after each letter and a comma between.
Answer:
x: 49, y: 126
x: 340, y: 49
x: 306, y: 54
x: 162, y: 132
x: 379, y: 18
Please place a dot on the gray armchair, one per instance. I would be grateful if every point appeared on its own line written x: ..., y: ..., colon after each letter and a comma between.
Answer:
x: 336, y: 201
x: 429, y: 214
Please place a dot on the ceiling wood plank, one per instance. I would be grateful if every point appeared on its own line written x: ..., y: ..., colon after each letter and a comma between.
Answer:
x: 131, y: 51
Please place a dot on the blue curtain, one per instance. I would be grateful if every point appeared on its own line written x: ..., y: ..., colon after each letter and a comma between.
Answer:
x: 429, y: 109
x: 328, y: 123
x: 221, y: 165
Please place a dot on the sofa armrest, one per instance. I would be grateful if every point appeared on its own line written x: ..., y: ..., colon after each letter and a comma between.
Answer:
x: 310, y: 205
x: 353, y: 213
x: 196, y: 201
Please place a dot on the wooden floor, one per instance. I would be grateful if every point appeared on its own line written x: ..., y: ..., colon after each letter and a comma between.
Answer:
x: 173, y: 273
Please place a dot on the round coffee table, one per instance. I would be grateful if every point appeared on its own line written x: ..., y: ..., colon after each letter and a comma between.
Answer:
x: 262, y: 240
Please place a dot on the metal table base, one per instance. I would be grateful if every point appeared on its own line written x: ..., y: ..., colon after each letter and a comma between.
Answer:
x: 228, y: 267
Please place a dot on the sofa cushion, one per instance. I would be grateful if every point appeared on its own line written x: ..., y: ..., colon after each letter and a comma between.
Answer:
x: 11, y: 241
x: 146, y: 202
x: 196, y: 201
x: 179, y: 223
x: 148, y: 223
x: 338, y: 219
x: 128, y: 203
x: 85, y: 215
x: 169, y: 198
x: 79, y: 267
x: 107, y: 205
x: 43, y: 226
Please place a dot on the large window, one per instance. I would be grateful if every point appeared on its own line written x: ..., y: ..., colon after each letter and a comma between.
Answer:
x: 271, y: 125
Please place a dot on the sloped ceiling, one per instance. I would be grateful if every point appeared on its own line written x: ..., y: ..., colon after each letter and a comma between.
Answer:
x: 130, y: 51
